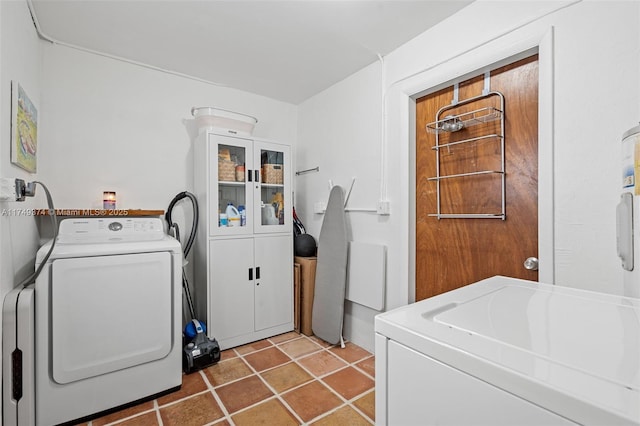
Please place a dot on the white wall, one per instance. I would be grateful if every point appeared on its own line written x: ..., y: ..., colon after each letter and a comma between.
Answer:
x: 20, y: 60
x: 596, y: 99
x: 111, y: 125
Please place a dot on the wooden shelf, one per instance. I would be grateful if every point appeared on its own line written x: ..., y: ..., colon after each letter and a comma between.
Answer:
x: 101, y: 212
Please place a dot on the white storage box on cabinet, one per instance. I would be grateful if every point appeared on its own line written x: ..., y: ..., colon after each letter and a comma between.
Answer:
x: 209, y: 118
x: 243, y: 273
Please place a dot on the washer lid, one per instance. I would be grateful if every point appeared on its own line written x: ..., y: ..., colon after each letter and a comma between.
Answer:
x: 594, y: 335
x: 572, y: 351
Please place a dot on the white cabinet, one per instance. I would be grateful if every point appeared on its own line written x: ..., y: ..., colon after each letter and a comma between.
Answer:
x: 250, y: 288
x: 244, y: 272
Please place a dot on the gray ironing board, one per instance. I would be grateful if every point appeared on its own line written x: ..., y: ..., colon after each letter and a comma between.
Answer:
x: 331, y: 271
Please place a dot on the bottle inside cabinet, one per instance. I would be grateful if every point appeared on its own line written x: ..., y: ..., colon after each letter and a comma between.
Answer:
x: 272, y: 187
x: 231, y: 184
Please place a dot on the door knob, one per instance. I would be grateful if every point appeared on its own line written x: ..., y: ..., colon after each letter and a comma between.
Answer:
x: 531, y: 263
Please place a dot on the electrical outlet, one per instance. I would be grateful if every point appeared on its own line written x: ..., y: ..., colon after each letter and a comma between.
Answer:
x: 14, y: 189
x: 22, y: 190
x: 383, y: 207
x: 8, y: 189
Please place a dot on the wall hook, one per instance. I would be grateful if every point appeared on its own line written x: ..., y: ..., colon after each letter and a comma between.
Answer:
x: 302, y: 172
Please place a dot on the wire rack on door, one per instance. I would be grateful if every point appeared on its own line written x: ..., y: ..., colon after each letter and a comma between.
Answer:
x: 452, y: 123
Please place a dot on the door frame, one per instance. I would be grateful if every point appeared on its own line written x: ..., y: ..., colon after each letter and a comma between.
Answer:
x: 401, y: 105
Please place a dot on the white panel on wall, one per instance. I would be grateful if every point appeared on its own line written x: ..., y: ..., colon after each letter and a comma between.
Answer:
x: 367, y: 274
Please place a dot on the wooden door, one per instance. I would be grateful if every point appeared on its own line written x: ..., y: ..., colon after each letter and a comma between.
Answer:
x: 451, y: 253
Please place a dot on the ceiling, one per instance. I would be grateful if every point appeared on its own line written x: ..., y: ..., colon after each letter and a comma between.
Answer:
x: 285, y: 50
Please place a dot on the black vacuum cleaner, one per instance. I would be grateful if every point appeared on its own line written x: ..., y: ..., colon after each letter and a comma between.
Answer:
x: 199, y: 351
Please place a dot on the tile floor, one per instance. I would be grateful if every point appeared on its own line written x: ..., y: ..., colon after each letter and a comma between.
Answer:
x: 290, y: 379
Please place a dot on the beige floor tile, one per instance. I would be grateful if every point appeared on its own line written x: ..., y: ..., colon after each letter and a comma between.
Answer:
x: 266, y: 358
x: 191, y: 385
x: 367, y: 404
x: 252, y: 347
x: 342, y: 417
x: 319, y: 341
x: 299, y: 347
x: 311, y: 400
x: 243, y: 393
x: 194, y: 411
x: 270, y: 412
x: 350, y: 353
x: 368, y: 366
x: 239, y: 388
x: 227, y: 371
x: 322, y: 363
x: 286, y: 377
x: 147, y: 419
x: 280, y: 338
x: 349, y: 382
x: 227, y: 354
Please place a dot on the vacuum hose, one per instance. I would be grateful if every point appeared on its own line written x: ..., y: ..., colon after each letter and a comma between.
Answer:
x: 192, y: 236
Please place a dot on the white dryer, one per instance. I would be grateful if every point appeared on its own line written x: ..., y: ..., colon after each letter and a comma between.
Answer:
x: 101, y: 326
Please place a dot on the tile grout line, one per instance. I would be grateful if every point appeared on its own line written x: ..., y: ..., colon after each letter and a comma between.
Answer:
x: 318, y: 378
x: 156, y: 407
x: 347, y: 403
x: 314, y: 377
x: 357, y: 397
x: 211, y: 388
x: 117, y: 421
x: 276, y: 395
x: 357, y: 409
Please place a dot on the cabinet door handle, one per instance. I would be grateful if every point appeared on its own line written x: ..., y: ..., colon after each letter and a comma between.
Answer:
x: 257, y: 176
x: 257, y: 273
x: 249, y: 175
x: 250, y: 274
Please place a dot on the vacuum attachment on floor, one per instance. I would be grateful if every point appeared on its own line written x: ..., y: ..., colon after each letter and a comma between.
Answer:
x: 200, y: 352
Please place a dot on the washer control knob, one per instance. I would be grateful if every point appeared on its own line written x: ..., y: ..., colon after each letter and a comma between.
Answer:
x: 115, y: 226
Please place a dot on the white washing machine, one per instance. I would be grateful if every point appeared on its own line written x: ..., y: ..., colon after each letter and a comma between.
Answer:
x: 510, y: 352
x: 101, y: 326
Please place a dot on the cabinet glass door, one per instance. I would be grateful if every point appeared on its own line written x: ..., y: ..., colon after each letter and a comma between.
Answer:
x: 272, y: 208
x: 231, y: 187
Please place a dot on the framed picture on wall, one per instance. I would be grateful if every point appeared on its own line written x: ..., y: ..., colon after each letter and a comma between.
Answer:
x: 24, y: 129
